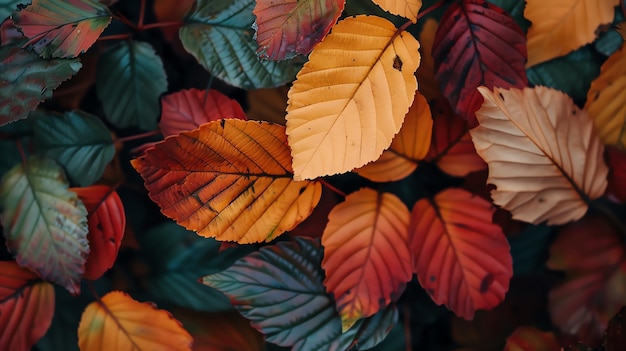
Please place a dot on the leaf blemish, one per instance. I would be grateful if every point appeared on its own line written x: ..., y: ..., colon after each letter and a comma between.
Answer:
x: 397, y: 63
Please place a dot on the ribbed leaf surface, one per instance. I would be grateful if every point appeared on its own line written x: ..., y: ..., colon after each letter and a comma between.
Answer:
x: 404, y: 8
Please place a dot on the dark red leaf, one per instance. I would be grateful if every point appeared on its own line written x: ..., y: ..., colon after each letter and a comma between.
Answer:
x: 617, y: 175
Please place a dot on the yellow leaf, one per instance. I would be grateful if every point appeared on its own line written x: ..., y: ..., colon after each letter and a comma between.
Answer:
x: 350, y: 98
x: 408, y: 147
x: 405, y: 8
x: 561, y: 26
x: 117, y: 322
x: 544, y: 156
x: 606, y: 100
x: 429, y: 86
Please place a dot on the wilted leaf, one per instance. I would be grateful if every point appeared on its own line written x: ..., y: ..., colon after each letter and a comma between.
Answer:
x: 117, y: 322
x: 26, y: 80
x: 409, y: 146
x: 107, y: 222
x: 79, y: 141
x: 188, y: 109
x: 544, y: 156
x: 287, y: 28
x: 559, y: 27
x: 229, y: 179
x: 460, y: 256
x: 531, y: 339
x: 45, y: 223
x: 404, y: 8
x: 62, y: 28
x: 366, y: 253
x: 348, y: 101
x: 477, y: 43
x: 130, y: 78
x: 26, y: 307
x: 428, y: 84
x: 219, y: 35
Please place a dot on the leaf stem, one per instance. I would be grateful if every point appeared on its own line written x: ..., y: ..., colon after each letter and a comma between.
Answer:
x: 142, y: 12
x: 161, y: 25
x: 20, y: 148
x: 120, y: 17
x: 137, y: 136
x: 114, y: 37
x: 430, y: 9
x: 93, y: 290
x: 332, y: 188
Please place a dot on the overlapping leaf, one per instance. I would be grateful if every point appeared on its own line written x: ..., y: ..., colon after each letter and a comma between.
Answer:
x: 460, y: 256
x: 559, y: 27
x: 366, y: 253
x: 606, y: 100
x: 46, y: 224
x: 117, y: 322
x: 62, y: 28
x: 26, y: 80
x: 107, y: 222
x: 544, y: 156
x: 428, y: 84
x: 26, y: 307
x: 130, y: 78
x: 219, y: 35
x: 477, y: 43
x: 229, y: 179
x: 285, y: 29
x: 348, y: 101
x: 188, y: 109
x: 79, y: 141
x: 531, y: 339
x: 409, y: 146
x: 404, y: 8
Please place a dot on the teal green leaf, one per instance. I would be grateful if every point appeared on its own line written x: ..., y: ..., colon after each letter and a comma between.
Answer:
x: 45, y: 223
x: 8, y: 6
x: 530, y: 249
x: 373, y: 330
x: 515, y: 8
x: 26, y: 80
x: 80, y: 142
x: 129, y: 81
x: 219, y: 35
x: 608, y: 42
x: 395, y: 340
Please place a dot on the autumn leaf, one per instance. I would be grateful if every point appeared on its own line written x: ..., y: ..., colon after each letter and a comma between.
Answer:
x: 287, y: 28
x: 617, y: 176
x: 230, y: 179
x: 409, y: 146
x: 428, y: 84
x: 188, y: 109
x: 26, y: 307
x: 366, y: 254
x: 62, y: 28
x: 559, y: 27
x: 404, y: 8
x: 46, y: 224
x: 460, y: 256
x: 117, y: 322
x: 348, y: 101
x: 531, y: 339
x: 544, y: 156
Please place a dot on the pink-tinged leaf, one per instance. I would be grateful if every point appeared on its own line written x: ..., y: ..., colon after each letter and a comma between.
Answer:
x: 291, y: 27
x: 188, y: 109
x: 26, y: 307
x: 477, y: 43
x: 107, y: 222
x: 62, y: 28
x: 461, y: 257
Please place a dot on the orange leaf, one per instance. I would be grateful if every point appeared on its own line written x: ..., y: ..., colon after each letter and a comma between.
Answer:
x: 350, y: 98
x: 26, y: 307
x: 460, y: 256
x: 117, y: 322
x: 366, y: 253
x: 544, y: 156
x: 230, y: 180
x: 107, y: 222
x: 531, y: 339
x: 405, y: 8
x: 428, y: 84
x: 408, y: 147
x: 561, y: 26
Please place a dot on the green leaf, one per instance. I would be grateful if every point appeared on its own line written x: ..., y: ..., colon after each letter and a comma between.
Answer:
x: 219, y: 35
x: 129, y: 81
x: 608, y: 42
x: 530, y: 249
x: 373, y: 330
x: 8, y: 6
x: 62, y: 28
x: 46, y: 224
x: 26, y: 80
x: 80, y: 142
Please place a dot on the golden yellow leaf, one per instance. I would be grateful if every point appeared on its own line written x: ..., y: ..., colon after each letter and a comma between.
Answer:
x: 350, y: 98
x: 561, y: 26
x: 405, y: 8
x: 408, y: 147
x: 544, y: 156
x: 117, y: 322
x: 429, y: 86
x: 606, y: 100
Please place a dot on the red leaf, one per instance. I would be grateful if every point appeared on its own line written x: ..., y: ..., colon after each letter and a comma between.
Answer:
x: 617, y: 174
x: 107, y: 222
x: 188, y: 109
x: 290, y: 27
x: 26, y: 307
x: 461, y: 258
x: 477, y: 43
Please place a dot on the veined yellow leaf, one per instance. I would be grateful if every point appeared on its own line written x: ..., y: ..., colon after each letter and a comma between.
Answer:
x: 405, y: 8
